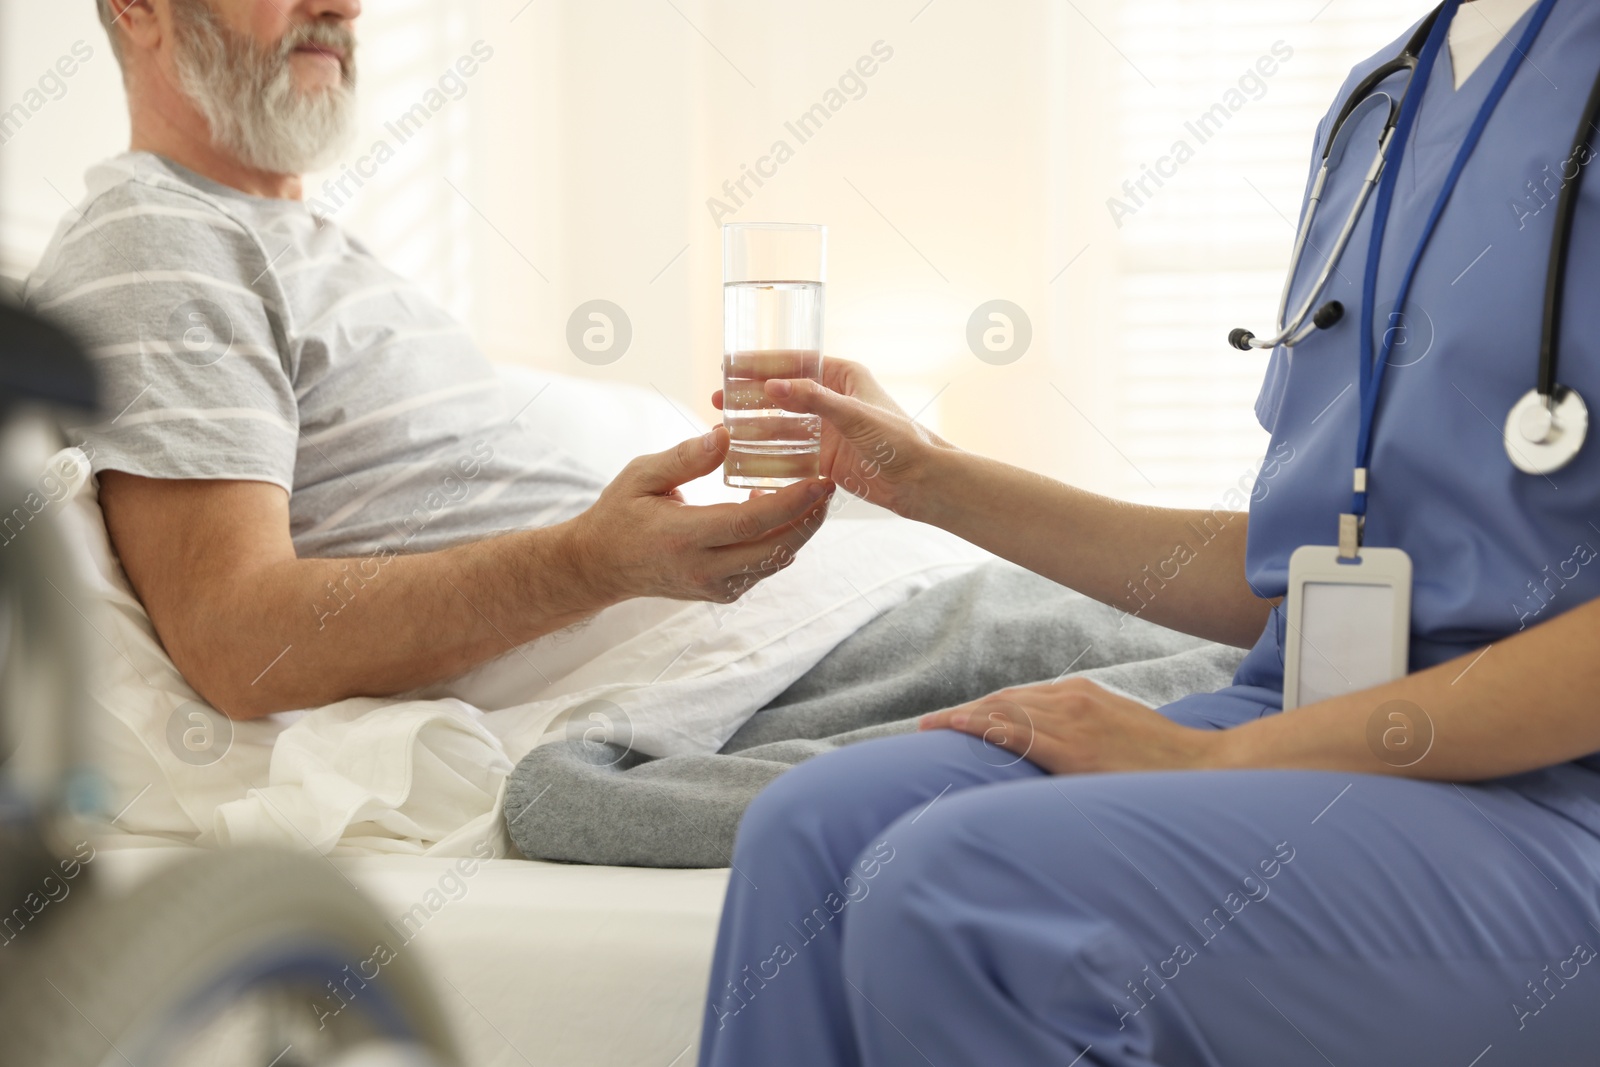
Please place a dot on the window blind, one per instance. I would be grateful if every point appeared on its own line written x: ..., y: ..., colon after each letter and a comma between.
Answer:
x: 393, y: 185
x: 1223, y: 98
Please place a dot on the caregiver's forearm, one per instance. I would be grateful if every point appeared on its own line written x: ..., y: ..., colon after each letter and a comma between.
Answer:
x: 1181, y: 569
x: 1525, y: 702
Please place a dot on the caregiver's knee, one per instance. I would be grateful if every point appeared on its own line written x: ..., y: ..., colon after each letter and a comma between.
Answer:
x: 838, y: 801
x: 798, y: 804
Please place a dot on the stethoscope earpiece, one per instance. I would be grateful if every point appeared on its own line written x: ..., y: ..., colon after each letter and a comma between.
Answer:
x: 1328, y: 314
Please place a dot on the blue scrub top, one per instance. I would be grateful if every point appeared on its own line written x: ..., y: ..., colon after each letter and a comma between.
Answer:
x: 1493, y: 550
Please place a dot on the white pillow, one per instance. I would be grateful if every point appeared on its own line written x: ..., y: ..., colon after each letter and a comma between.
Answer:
x: 153, y: 736
x: 606, y: 424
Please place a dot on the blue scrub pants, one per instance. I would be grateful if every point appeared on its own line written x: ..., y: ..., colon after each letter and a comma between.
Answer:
x: 930, y: 899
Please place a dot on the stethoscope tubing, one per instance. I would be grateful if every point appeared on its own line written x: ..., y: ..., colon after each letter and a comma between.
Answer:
x: 1555, y: 280
x: 1551, y: 418
x: 1293, y: 331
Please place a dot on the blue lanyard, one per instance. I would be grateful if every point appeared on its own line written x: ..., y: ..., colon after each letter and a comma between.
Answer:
x: 1374, y: 364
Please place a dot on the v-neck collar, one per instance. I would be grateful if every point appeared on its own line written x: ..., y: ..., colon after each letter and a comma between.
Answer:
x: 1447, y: 111
x: 1496, y: 57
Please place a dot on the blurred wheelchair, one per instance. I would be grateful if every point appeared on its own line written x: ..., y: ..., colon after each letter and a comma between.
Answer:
x: 247, y: 957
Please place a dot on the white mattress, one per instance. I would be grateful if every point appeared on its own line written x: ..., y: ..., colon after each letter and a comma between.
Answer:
x: 543, y: 963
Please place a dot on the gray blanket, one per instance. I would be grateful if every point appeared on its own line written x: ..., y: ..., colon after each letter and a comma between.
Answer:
x: 589, y: 802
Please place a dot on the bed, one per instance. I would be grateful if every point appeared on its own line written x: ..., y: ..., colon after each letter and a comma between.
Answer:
x: 535, y: 963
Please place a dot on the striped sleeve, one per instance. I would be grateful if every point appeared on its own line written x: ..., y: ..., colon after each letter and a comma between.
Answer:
x: 173, y: 299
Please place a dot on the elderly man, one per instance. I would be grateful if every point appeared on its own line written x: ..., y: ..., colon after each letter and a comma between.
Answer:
x: 279, y: 402
x: 293, y: 432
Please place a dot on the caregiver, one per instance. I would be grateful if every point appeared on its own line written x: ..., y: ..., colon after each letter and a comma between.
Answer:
x: 1398, y: 872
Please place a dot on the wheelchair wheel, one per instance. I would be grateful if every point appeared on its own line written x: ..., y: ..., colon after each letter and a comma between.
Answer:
x: 235, y: 957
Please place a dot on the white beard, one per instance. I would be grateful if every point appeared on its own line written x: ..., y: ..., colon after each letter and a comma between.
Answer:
x: 248, y: 96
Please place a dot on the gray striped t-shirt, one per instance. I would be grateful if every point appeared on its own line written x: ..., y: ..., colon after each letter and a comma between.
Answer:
x: 245, y: 338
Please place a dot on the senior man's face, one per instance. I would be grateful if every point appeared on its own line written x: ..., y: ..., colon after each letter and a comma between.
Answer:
x: 275, y: 79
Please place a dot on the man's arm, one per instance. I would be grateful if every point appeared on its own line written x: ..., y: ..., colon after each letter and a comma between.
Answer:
x: 250, y: 626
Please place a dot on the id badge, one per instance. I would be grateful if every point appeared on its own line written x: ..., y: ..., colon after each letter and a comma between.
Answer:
x: 1349, y: 622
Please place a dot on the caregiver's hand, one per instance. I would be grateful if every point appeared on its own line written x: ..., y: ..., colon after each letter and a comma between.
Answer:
x: 1076, y: 727
x: 870, y: 446
x: 641, y: 539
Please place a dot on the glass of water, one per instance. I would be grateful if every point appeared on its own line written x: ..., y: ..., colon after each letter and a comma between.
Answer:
x: 773, y: 278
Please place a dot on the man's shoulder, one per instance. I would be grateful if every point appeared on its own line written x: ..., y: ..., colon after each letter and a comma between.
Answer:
x: 143, y: 186
x: 137, y: 216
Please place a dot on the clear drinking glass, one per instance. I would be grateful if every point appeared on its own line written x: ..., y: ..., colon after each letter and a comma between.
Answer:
x: 773, y: 278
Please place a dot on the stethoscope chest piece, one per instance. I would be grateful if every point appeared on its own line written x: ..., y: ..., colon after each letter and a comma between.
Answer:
x: 1544, y: 433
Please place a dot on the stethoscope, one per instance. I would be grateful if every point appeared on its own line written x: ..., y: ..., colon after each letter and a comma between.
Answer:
x: 1546, y: 427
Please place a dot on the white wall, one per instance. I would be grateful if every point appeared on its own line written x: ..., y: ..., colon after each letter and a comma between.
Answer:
x: 934, y: 183
x: 66, y: 124
x: 578, y: 162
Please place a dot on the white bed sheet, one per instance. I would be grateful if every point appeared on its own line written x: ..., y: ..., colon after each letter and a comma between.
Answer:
x: 543, y: 964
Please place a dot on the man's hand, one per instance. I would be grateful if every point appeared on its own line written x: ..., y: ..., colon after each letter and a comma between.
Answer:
x: 1077, y: 727
x: 869, y: 445
x: 641, y: 539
